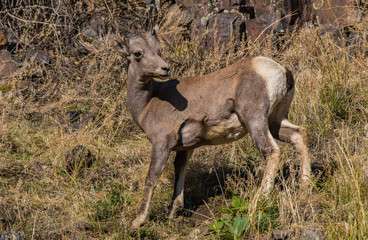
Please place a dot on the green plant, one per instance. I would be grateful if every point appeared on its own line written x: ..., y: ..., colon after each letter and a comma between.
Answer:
x: 238, y: 221
x: 230, y: 228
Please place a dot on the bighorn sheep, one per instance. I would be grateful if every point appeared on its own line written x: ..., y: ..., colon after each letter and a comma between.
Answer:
x: 251, y: 96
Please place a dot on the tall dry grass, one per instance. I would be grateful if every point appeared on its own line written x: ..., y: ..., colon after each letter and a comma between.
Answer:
x: 47, y: 192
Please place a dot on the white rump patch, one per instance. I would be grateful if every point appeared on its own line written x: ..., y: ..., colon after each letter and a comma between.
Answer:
x: 274, y: 76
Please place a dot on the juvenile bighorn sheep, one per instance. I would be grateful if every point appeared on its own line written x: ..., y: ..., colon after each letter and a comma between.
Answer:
x: 251, y: 96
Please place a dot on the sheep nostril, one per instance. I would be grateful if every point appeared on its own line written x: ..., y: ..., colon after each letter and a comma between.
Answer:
x: 167, y: 69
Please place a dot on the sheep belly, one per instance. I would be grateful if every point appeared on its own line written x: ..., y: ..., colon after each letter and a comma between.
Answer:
x: 228, y: 130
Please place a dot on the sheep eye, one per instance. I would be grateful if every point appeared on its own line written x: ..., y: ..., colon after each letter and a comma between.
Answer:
x: 138, y: 54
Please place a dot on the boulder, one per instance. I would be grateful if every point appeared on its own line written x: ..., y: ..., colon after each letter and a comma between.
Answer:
x: 214, y: 23
x: 95, y: 27
x: 198, y: 32
x: 8, y: 40
x: 11, y: 235
x: 38, y: 56
x: 255, y: 31
x: 8, y: 66
x: 312, y: 234
x: 223, y: 5
x: 338, y: 13
x: 78, y: 159
x: 222, y: 27
x: 191, y: 3
x: 280, y: 234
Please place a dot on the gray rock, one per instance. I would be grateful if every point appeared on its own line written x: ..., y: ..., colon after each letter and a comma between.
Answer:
x: 11, y: 235
x: 37, y: 56
x: 8, y: 66
x: 86, y: 68
x: 338, y: 13
x: 312, y: 234
x: 7, y: 39
x: 279, y: 234
x: 95, y: 27
x: 222, y: 27
x: 90, y: 32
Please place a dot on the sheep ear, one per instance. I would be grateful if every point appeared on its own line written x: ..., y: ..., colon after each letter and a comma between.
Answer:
x: 118, y: 44
x: 155, y: 31
x: 122, y: 49
x: 121, y: 43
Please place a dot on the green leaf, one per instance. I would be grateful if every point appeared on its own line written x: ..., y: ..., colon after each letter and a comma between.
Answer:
x: 239, y: 204
x: 239, y: 225
x: 227, y: 222
x: 237, y: 201
x: 217, y: 226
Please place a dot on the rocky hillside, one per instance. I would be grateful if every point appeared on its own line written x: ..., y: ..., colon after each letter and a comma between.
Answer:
x: 215, y: 23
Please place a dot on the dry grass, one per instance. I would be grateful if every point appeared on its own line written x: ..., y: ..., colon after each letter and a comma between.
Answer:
x: 43, y: 197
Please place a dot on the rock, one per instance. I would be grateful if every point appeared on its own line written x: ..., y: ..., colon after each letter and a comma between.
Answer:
x: 38, y: 56
x: 196, y: 11
x: 247, y: 11
x: 302, y: 11
x: 223, y: 5
x: 198, y: 32
x: 11, y: 235
x: 79, y: 119
x: 312, y: 234
x: 222, y: 27
x: 305, y: 234
x: 74, y: 120
x: 78, y: 159
x: 90, y: 32
x: 279, y: 234
x: 332, y: 32
x: 338, y: 13
x: 239, y: 2
x: 8, y: 65
x: 213, y: 23
x: 86, y: 68
x: 191, y: 3
x: 8, y: 40
x: 269, y: 15
x: 95, y: 27
x: 255, y: 31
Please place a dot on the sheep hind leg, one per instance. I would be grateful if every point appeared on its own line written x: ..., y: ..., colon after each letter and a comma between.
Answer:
x: 270, y: 152
x: 288, y: 132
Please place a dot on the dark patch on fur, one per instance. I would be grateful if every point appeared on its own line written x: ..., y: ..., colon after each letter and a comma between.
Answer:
x: 167, y: 91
